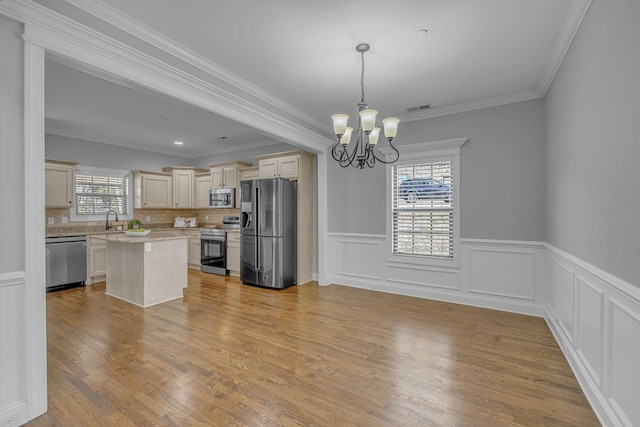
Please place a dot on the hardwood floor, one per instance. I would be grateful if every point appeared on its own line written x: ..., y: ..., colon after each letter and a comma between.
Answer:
x: 231, y: 354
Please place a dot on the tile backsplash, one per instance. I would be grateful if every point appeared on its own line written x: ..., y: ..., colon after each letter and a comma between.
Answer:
x: 158, y: 218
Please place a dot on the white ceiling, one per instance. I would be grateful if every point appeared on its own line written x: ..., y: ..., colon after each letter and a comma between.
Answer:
x: 476, y: 53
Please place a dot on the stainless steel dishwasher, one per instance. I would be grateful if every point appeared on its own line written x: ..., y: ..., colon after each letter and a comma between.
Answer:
x: 66, y: 262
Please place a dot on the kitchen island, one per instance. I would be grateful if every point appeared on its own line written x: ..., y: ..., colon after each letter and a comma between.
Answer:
x: 146, y: 270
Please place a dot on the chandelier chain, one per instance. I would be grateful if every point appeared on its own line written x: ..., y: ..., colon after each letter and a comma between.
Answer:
x: 362, y: 76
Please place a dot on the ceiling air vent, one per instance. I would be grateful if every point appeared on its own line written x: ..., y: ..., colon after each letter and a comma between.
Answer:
x: 419, y: 107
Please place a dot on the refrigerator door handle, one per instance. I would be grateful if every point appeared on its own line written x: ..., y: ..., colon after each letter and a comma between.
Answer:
x: 257, y: 229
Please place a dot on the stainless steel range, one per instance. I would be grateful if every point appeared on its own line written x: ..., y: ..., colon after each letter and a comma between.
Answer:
x: 213, y: 246
x: 213, y: 251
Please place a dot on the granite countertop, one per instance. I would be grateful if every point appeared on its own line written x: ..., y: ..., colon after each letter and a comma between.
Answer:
x: 66, y: 232
x: 154, y: 236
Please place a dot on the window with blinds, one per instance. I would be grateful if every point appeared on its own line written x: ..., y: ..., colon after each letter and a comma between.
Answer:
x: 97, y: 195
x: 422, y: 209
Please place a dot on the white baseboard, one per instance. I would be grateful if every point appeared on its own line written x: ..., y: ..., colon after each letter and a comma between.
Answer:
x: 594, y: 316
x: 13, y: 415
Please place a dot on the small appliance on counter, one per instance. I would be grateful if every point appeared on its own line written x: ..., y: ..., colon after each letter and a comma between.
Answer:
x: 231, y: 223
x: 184, y: 222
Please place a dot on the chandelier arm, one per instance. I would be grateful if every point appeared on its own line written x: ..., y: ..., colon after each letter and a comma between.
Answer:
x: 342, y: 156
x: 394, y: 159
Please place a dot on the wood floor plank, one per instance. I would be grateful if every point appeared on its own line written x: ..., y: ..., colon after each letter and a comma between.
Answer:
x: 231, y: 354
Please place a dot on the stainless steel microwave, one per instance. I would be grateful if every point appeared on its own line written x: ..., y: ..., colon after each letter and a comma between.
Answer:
x: 222, y: 198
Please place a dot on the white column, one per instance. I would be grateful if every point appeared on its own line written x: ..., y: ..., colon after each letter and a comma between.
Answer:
x: 35, y: 317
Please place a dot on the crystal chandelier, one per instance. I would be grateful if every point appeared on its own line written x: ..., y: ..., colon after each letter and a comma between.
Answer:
x: 361, y: 153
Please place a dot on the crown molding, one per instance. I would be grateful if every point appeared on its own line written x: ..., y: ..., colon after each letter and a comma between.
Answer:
x: 107, y: 13
x: 470, y: 106
x: 572, y: 22
x: 575, y: 15
x: 119, y: 20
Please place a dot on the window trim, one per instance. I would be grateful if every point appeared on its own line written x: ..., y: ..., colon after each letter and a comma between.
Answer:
x: 423, y: 153
x: 112, y: 173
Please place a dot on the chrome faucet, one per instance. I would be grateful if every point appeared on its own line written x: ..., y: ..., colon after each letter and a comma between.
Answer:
x: 106, y: 225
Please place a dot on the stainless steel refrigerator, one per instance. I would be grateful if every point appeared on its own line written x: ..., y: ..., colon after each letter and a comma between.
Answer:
x: 268, y: 232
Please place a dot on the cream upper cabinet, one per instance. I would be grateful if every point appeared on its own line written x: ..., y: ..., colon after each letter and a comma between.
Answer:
x: 203, y: 185
x: 285, y: 167
x: 152, y: 190
x: 183, y: 178
x: 223, y: 177
x: 183, y: 188
x: 226, y: 174
x: 249, y: 173
x: 59, y: 177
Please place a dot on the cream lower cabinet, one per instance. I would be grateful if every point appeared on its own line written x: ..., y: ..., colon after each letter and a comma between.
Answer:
x: 96, y: 260
x: 233, y: 253
x: 193, y: 248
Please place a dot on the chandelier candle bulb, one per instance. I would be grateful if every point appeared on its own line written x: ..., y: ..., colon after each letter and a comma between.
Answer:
x: 390, y: 127
x: 346, y: 138
x: 340, y: 123
x: 368, y: 119
x: 373, y: 136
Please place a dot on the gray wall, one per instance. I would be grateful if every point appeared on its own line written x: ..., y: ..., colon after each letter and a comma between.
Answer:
x: 12, y: 213
x: 593, y: 153
x: 502, y: 175
x: 89, y: 153
x: 11, y: 147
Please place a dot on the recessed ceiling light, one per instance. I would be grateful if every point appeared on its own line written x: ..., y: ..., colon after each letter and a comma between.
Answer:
x: 178, y: 142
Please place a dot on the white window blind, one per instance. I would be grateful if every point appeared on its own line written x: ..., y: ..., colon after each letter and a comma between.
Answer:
x: 422, y: 208
x: 97, y: 194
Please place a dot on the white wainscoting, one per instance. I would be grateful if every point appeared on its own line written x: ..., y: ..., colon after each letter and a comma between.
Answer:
x: 595, y: 318
x: 503, y: 275
x: 13, y: 406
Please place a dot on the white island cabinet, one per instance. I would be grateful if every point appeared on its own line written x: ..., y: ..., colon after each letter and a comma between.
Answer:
x: 146, y: 270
